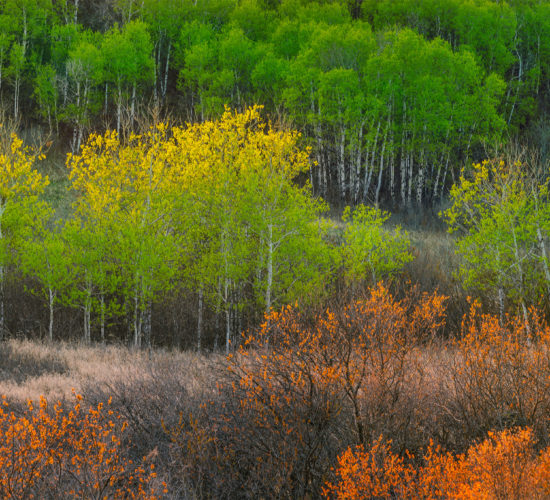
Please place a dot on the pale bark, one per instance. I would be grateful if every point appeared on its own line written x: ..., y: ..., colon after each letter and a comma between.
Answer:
x: 521, y: 277
x: 269, y: 283
x: 358, y: 159
x: 147, y: 318
x: 227, y: 317
x: 370, y: 165
x: 87, y: 314
x: 133, y: 105
x: 544, y: 258
x: 420, y: 178
x: 166, y: 70
x: 410, y: 164
x: 402, y: 160
x: 342, y: 164
x: 200, y: 319
x: 102, y: 316
x: 381, y: 170
x: 137, y: 313
x: 51, y: 299
x: 119, y: 108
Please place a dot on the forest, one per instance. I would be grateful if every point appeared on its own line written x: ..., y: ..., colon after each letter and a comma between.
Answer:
x: 324, y: 222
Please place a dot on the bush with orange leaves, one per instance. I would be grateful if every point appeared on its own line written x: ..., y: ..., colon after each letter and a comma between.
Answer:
x: 53, y: 453
x: 506, y: 465
x: 499, y: 377
x: 300, y: 390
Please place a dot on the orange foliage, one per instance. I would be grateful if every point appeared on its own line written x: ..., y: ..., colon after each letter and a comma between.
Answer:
x: 504, y: 466
x: 74, y: 454
x: 500, y: 373
x: 298, y: 381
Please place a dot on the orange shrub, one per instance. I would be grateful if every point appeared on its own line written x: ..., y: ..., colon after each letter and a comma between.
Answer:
x: 304, y: 388
x: 503, y: 466
x: 500, y: 375
x: 74, y: 454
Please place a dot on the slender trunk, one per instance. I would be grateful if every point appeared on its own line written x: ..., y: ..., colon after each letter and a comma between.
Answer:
x: 544, y: 258
x: 370, y: 165
x: 147, y: 317
x: 269, y: 283
x: 156, y: 69
x: 166, y: 70
x: 227, y: 317
x: 106, y: 102
x: 501, y: 304
x: 133, y: 105
x: 200, y: 319
x: 87, y: 314
x: 51, y: 298
x: 525, y: 316
x: 420, y: 178
x: 358, y: 160
x: 102, y: 316
x: 441, y: 191
x: 520, y: 76
x: 342, y: 164
x: 438, y: 175
x: 379, y: 184
x: 318, y: 139
x: 410, y: 163
x: 137, y: 314
x: 403, y: 174
x: 119, y: 108
x: 521, y: 277
x: 402, y: 160
x: 16, y: 97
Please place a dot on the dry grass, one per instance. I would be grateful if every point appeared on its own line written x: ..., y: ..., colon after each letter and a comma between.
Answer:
x: 30, y: 369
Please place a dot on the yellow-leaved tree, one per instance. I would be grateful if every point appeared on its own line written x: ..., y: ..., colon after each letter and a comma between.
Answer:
x: 20, y: 188
x: 259, y: 230
x: 128, y: 197
x: 213, y: 205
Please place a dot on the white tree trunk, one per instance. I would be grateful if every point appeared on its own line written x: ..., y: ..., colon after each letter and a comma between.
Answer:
x: 166, y: 69
x: 269, y: 283
x: 102, y: 316
x: 51, y: 299
x: 379, y: 184
x: 227, y: 317
x: 200, y: 319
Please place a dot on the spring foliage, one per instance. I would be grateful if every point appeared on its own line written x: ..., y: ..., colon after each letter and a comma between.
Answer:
x: 50, y: 452
x: 370, y: 251
x: 211, y: 205
x: 500, y: 215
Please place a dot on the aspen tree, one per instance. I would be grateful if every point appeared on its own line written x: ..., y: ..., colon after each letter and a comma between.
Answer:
x: 20, y: 189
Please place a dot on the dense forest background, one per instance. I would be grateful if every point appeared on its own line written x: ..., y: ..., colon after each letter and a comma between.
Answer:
x: 393, y: 96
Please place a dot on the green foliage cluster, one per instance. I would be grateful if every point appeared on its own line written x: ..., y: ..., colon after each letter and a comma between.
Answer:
x: 369, y: 250
x: 501, y: 214
x: 210, y: 209
x: 392, y: 95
